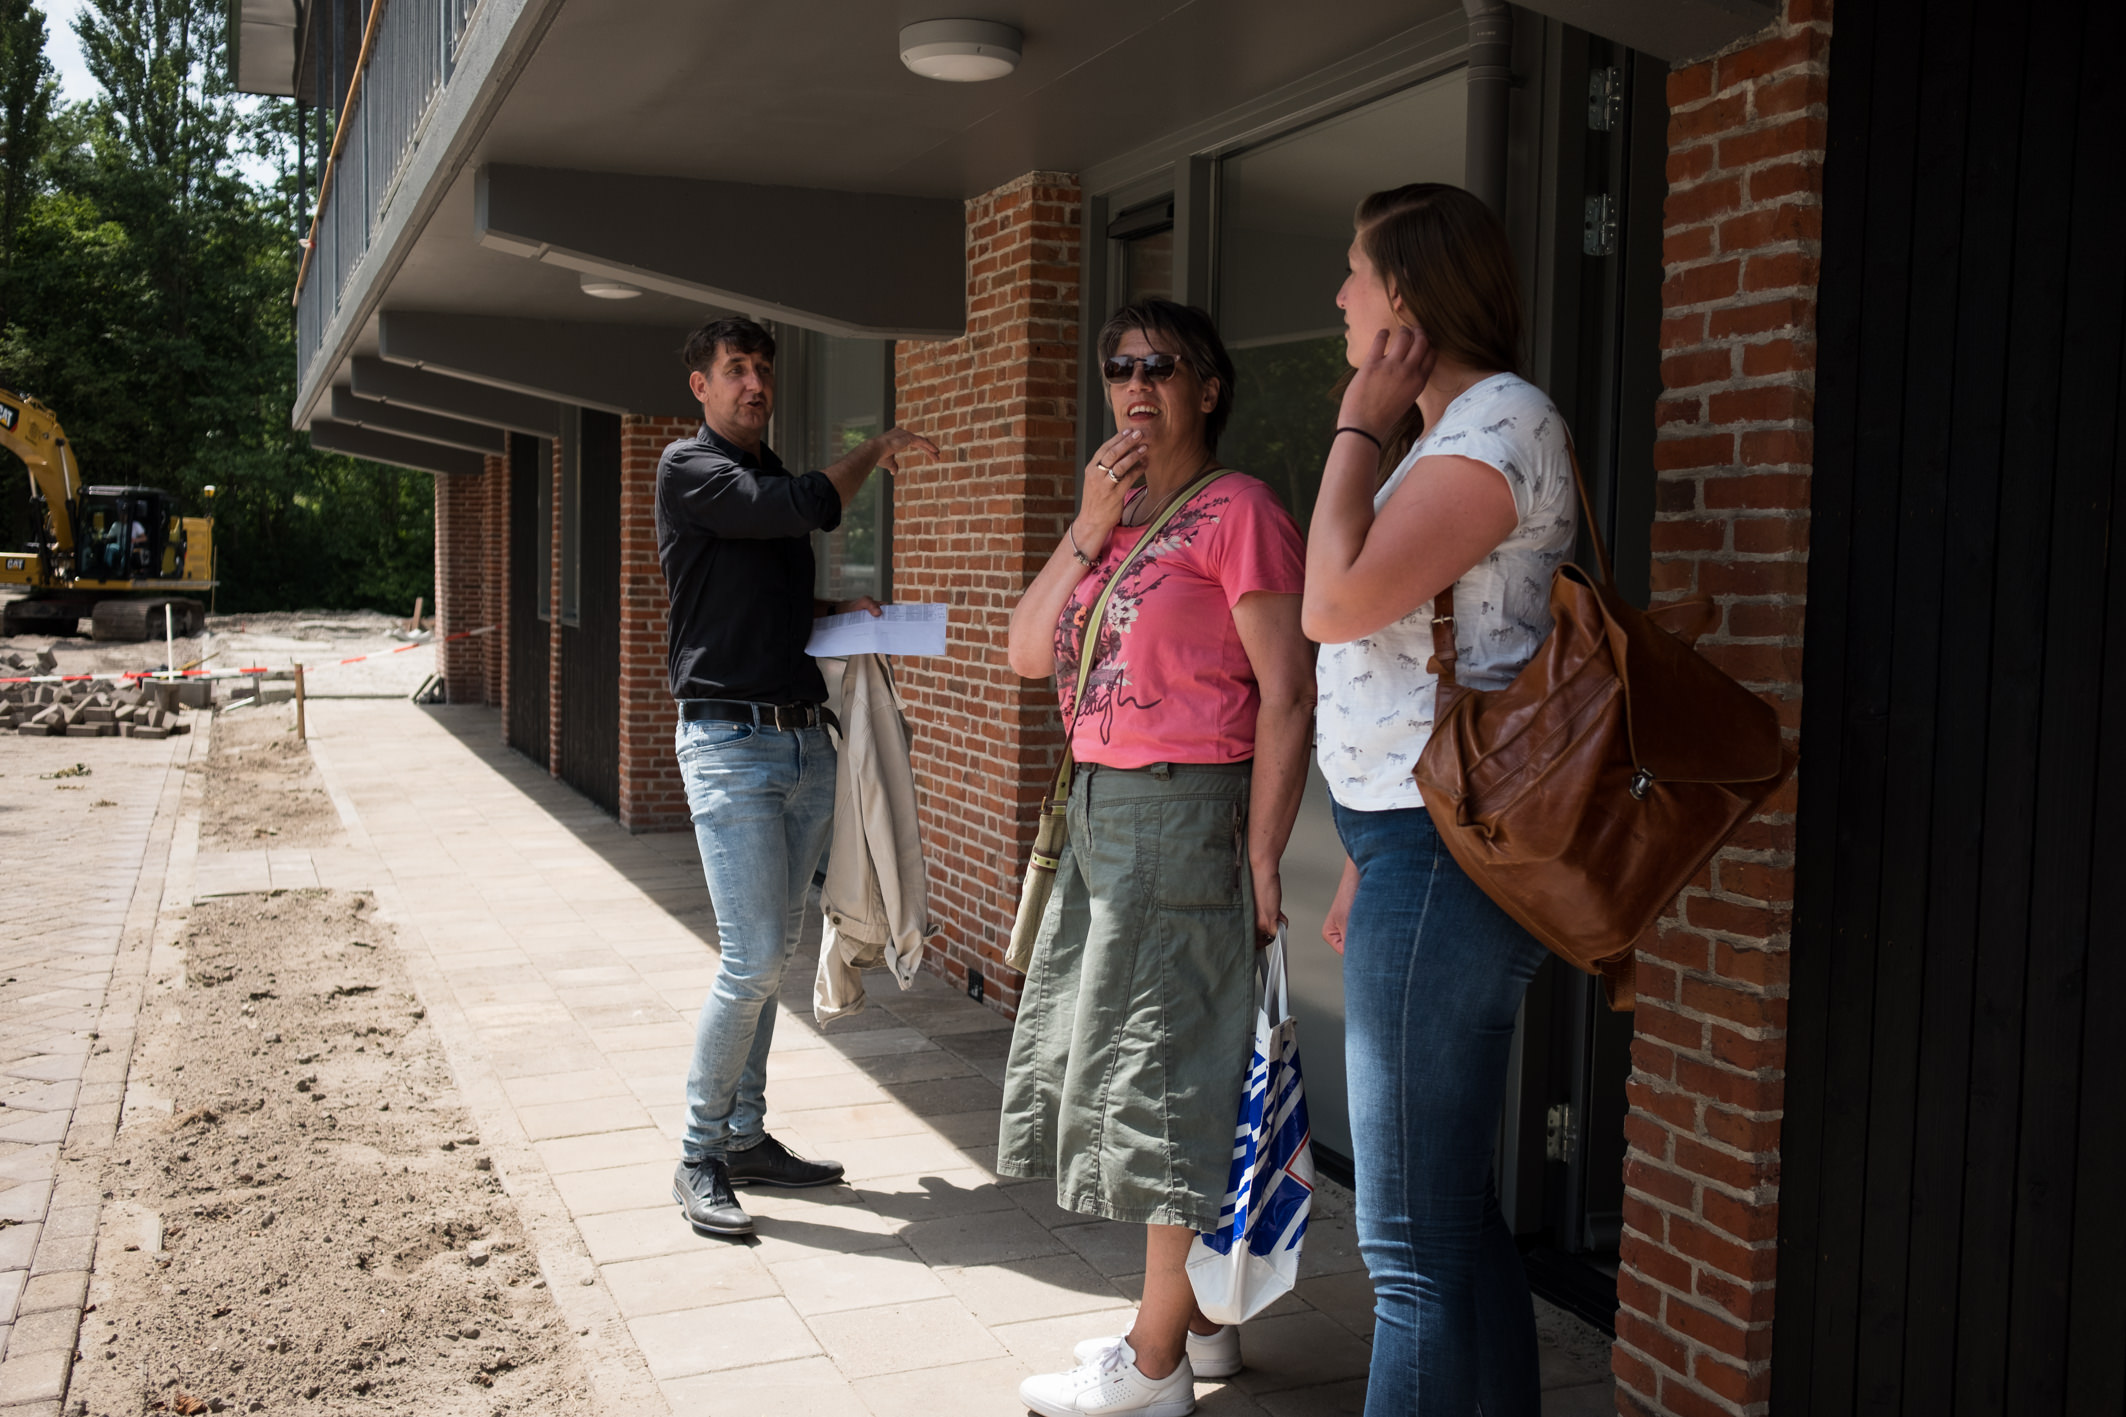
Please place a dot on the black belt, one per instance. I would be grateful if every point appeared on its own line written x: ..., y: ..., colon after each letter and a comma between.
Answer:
x: 786, y: 717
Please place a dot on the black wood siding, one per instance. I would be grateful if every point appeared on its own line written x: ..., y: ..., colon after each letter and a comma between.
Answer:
x: 1952, y: 1238
x: 530, y: 459
x: 590, y: 648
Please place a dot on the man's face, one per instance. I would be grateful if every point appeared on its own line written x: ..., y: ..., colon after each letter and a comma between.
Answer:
x: 737, y: 394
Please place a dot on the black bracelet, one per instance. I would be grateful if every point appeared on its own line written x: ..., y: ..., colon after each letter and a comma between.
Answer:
x: 1084, y: 560
x: 1348, y: 428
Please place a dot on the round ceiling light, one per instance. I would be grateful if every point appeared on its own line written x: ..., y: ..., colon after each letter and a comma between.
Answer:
x: 960, y: 51
x: 606, y: 288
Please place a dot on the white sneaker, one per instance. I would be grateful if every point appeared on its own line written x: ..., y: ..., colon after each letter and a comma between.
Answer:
x: 1212, y: 1355
x: 1112, y: 1385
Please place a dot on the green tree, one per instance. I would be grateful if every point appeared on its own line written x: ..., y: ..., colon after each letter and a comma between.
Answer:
x: 152, y: 275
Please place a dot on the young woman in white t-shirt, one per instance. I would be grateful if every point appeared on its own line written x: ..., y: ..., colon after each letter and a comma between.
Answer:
x: 1478, y: 496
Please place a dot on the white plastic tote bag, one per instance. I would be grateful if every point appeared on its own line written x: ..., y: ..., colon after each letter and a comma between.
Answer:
x: 1253, y: 1257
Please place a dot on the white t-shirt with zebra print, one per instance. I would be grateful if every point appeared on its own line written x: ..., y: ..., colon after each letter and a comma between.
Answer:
x: 1374, y: 713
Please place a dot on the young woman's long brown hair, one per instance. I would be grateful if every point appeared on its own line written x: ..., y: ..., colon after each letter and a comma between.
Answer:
x: 1446, y: 254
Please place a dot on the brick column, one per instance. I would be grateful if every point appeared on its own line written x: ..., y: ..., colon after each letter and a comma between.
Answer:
x: 652, y: 797
x: 971, y: 530
x: 502, y: 599
x: 465, y: 555
x: 1743, y: 221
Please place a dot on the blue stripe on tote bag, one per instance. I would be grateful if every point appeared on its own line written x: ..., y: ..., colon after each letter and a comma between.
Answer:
x: 1252, y: 1259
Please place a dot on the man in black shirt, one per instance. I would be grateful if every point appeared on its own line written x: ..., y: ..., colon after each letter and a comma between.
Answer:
x: 734, y: 534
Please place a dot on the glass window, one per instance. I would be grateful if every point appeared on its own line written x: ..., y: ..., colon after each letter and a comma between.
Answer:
x: 846, y: 390
x: 1284, y: 229
x: 545, y: 517
x: 571, y: 522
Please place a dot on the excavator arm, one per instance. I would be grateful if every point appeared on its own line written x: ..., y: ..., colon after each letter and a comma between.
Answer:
x: 32, y: 433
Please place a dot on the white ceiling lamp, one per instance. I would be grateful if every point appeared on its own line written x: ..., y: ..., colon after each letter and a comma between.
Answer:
x: 606, y: 288
x: 961, y: 51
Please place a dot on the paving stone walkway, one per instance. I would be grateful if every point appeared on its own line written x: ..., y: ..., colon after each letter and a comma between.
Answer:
x: 85, y: 865
x: 562, y: 960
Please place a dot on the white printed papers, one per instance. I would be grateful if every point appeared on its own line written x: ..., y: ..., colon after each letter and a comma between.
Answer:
x: 910, y: 628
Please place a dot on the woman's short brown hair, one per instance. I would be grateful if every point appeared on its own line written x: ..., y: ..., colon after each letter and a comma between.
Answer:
x: 1191, y: 336
x: 1446, y: 254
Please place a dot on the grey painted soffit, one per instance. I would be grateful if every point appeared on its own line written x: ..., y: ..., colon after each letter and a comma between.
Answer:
x: 358, y: 412
x: 1673, y: 30
x: 619, y: 368
x: 845, y: 263
x: 262, y: 46
x: 429, y: 392
x: 391, y: 448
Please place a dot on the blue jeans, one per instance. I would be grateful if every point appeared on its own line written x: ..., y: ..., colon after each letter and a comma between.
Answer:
x: 763, y: 805
x: 1433, y: 976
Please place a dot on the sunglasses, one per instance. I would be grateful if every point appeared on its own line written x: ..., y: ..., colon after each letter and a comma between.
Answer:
x: 1118, y: 369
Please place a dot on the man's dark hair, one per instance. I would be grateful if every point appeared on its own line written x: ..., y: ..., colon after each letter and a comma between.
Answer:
x: 733, y: 332
x: 1190, y: 336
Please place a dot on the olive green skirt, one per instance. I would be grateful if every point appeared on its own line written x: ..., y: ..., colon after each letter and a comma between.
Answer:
x: 1137, y: 1018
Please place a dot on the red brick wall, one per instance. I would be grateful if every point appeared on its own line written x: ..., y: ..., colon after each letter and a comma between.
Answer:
x: 971, y: 529
x: 652, y: 797
x: 1743, y: 221
x: 469, y: 583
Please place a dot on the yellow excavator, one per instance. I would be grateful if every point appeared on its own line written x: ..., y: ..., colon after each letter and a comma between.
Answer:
x: 115, y: 556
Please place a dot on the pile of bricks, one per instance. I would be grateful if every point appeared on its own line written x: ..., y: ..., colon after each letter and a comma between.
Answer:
x: 95, y: 708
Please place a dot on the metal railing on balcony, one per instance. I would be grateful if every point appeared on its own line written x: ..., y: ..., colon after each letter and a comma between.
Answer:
x: 409, y: 50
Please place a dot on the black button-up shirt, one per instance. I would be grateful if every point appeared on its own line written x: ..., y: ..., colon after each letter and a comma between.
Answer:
x: 734, y: 534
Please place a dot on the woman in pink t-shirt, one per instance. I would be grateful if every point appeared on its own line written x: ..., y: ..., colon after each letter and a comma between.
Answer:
x: 1137, y: 1016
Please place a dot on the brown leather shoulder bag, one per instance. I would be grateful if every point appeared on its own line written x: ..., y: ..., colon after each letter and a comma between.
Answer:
x: 1585, y: 794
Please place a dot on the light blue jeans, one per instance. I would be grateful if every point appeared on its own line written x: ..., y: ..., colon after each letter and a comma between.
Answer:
x: 1433, y: 976
x: 763, y: 805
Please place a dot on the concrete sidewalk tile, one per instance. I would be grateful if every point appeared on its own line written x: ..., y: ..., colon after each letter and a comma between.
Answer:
x: 43, y: 1332
x: 938, y: 1097
x: 989, y: 1388
x: 866, y: 1122
x: 598, y: 1115
x: 64, y: 1289
x: 615, y: 1188
x: 807, y: 1387
x: 35, y: 1377
x: 1332, y: 1246
x: 735, y: 1335
x: 551, y: 1088
x: 913, y: 1067
x: 809, y: 1063
x: 1228, y: 1399
x: 1020, y: 1290
x: 991, y: 1237
x: 1299, y: 1350
x: 598, y: 1151
x: 1584, y: 1400
x: 22, y: 1161
x: 38, y: 1127
x: 830, y: 1230
x: 879, y: 1042
x: 1347, y: 1298
x: 923, y: 1152
x: 633, y: 1063
x: 830, y: 1283
x: 936, y: 1195
x: 637, y: 1234
x: 543, y: 1062
x: 63, y: 1252
x: 664, y: 1034
x: 18, y: 1245
x: 11, y: 1283
x: 841, y: 1089
x: 1046, y: 1344
x: 1341, y: 1399
x: 709, y: 1273
x: 965, y: 1129
x: 896, y: 1338
x: 1108, y: 1245
x: 70, y: 1222
x: 26, y: 1200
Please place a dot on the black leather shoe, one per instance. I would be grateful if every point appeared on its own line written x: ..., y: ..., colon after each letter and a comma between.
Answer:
x: 773, y: 1164
x: 703, y: 1190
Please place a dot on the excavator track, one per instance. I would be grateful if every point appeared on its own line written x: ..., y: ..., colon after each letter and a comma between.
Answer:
x: 143, y: 619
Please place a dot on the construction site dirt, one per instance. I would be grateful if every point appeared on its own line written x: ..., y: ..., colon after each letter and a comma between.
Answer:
x: 297, y: 1214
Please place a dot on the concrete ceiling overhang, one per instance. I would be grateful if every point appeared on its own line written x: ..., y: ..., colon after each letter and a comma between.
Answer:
x: 391, y: 448
x: 430, y: 392
x: 1673, y: 30
x: 846, y: 263
x: 262, y: 46
x: 618, y: 368
x: 355, y: 411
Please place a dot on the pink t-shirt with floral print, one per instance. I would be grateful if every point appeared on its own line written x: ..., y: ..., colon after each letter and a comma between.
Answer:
x: 1171, y: 682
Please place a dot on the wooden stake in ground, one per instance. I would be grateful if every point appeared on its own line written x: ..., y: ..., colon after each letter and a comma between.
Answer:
x: 414, y: 626
x: 301, y: 736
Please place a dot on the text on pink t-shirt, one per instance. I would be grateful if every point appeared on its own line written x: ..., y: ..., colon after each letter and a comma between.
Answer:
x: 1171, y: 682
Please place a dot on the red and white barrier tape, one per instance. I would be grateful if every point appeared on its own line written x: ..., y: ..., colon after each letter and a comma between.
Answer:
x: 167, y: 676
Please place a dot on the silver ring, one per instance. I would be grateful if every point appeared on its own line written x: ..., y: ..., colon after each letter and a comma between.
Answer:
x: 1111, y: 476
x: 1104, y: 467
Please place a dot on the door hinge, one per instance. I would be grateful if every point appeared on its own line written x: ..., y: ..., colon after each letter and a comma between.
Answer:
x: 1605, y: 99
x: 1561, y: 1133
x: 1599, y: 236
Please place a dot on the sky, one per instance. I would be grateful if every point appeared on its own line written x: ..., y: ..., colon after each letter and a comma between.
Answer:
x: 65, y: 51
